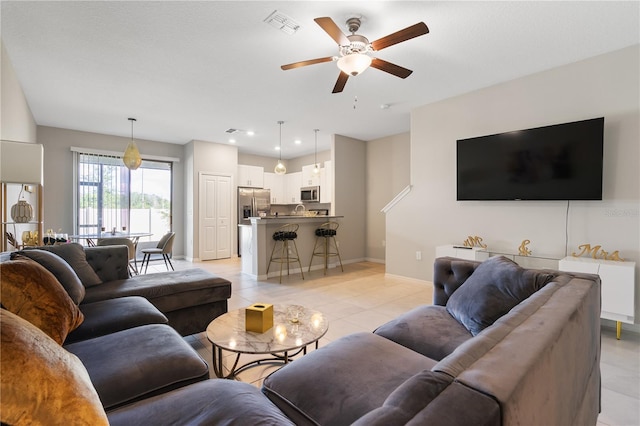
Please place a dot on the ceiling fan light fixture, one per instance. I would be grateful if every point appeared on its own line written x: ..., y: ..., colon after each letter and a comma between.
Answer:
x: 131, y: 157
x: 354, y: 63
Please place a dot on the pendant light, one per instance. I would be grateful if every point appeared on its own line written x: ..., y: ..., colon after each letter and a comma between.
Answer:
x: 131, y: 157
x: 280, y: 168
x: 316, y: 166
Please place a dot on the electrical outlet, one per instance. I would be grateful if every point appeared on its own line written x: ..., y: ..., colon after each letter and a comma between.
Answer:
x: 418, y: 255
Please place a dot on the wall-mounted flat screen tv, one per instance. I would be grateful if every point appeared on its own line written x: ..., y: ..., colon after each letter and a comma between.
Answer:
x: 558, y: 162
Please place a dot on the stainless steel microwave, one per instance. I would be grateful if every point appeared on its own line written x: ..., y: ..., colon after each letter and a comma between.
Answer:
x: 310, y: 194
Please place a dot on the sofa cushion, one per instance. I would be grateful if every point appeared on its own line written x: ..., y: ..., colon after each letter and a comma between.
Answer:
x: 109, y: 316
x: 428, y: 329
x: 168, y: 291
x: 497, y: 285
x: 62, y: 271
x: 364, y: 369
x: 34, y: 368
x: 408, y: 399
x: 30, y: 291
x: 74, y: 254
x: 210, y: 402
x: 419, y: 404
x: 138, y: 363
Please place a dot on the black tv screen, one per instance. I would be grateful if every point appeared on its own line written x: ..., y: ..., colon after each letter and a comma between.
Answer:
x: 559, y: 162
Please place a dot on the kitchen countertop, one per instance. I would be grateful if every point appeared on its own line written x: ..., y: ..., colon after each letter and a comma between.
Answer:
x: 289, y: 217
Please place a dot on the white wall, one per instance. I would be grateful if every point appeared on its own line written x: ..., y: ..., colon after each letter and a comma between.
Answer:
x: 292, y: 165
x: 349, y: 160
x: 16, y: 120
x: 388, y: 174
x: 606, y: 85
x: 213, y: 158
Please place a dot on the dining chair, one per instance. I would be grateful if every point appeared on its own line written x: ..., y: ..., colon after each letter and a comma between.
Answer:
x: 164, y: 248
x: 123, y: 241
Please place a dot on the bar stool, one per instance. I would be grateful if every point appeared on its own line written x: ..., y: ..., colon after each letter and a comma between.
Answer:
x: 326, y: 234
x: 284, y: 235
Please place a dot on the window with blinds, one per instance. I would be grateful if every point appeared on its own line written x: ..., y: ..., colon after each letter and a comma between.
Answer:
x: 111, y: 197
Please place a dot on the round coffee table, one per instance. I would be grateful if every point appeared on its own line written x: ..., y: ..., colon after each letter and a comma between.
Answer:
x: 227, y: 332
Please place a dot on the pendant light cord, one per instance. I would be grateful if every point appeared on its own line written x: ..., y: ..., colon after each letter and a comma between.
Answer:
x: 280, y: 150
x: 315, y: 156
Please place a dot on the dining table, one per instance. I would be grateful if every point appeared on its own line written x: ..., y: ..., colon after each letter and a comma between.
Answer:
x: 92, y: 238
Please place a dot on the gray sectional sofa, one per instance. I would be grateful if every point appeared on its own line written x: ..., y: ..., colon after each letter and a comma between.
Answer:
x: 499, y: 346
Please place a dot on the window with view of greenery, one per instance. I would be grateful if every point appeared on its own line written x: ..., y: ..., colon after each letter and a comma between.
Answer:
x: 111, y: 197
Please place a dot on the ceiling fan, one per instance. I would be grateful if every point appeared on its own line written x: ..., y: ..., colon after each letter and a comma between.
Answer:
x: 354, y: 50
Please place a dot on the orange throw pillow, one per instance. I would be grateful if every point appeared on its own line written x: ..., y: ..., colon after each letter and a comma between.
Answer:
x: 40, y: 382
x: 30, y: 291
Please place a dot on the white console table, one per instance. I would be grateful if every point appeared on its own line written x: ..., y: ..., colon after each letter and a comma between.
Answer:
x: 480, y: 254
x: 618, y: 286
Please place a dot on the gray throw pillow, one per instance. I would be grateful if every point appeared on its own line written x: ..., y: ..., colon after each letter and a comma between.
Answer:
x: 61, y: 270
x: 74, y: 254
x: 497, y: 285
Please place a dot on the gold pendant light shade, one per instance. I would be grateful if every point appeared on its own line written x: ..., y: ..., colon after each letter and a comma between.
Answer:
x: 131, y: 157
x: 280, y: 168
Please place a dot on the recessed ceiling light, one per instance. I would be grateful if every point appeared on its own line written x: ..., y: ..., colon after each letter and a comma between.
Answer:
x: 277, y: 148
x: 250, y: 132
x: 232, y: 141
x: 297, y: 141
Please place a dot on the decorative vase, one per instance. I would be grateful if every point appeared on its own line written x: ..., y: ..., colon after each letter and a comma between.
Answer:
x: 21, y: 212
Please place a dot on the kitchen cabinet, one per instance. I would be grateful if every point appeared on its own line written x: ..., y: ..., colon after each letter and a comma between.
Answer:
x: 326, y: 182
x: 293, y: 183
x: 309, y: 178
x: 250, y: 176
x: 275, y: 183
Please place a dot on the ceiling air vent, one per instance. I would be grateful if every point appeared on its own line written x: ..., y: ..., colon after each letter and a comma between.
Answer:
x: 232, y: 131
x: 282, y: 22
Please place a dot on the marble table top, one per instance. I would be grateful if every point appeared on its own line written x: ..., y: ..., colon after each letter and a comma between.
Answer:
x: 228, y: 331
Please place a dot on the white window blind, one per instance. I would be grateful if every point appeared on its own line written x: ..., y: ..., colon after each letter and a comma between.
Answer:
x: 109, y: 196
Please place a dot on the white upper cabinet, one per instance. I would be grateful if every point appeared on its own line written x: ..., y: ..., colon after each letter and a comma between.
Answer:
x: 250, y: 176
x: 275, y: 183
x: 326, y: 182
x: 308, y: 177
x: 293, y: 183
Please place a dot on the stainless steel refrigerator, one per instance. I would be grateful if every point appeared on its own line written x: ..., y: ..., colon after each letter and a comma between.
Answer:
x: 251, y: 203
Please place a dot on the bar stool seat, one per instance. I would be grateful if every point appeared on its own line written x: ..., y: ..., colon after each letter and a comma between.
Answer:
x: 285, y: 234
x: 326, y: 245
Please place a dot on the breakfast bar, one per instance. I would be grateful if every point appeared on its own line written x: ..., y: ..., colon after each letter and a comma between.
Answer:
x: 257, y: 242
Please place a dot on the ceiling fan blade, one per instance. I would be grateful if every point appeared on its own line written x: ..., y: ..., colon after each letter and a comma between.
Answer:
x: 342, y: 80
x: 398, y: 37
x: 305, y: 63
x: 333, y: 30
x: 394, y: 69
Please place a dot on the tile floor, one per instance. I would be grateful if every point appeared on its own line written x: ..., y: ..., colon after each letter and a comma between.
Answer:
x: 363, y: 297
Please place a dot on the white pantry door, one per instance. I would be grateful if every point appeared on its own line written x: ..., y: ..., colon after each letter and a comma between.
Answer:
x: 215, y: 216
